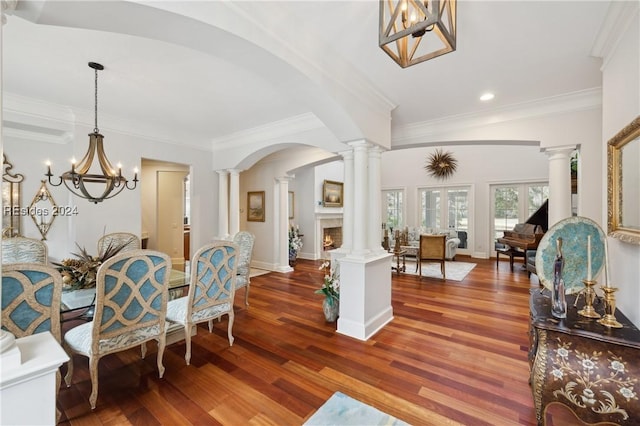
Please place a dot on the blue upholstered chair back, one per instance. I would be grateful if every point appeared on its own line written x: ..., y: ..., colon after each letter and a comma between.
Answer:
x: 131, y: 298
x: 31, y: 296
x: 213, y: 276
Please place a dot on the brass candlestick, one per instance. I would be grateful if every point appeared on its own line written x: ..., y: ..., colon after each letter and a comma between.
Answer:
x: 609, y: 319
x: 589, y: 296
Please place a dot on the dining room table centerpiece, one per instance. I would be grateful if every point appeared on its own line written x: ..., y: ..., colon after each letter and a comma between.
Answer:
x: 81, y: 271
x: 331, y: 291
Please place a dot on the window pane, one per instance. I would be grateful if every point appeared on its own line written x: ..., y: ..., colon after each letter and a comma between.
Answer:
x: 537, y: 195
x: 430, y: 208
x: 458, y: 209
x: 506, y: 210
x: 393, y: 208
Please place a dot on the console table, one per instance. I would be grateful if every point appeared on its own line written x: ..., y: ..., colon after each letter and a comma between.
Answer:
x: 592, y: 370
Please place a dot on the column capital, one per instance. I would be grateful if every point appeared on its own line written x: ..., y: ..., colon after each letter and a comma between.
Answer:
x: 359, y: 144
x: 283, y: 179
x: 234, y: 171
x: 222, y: 172
x: 560, y: 150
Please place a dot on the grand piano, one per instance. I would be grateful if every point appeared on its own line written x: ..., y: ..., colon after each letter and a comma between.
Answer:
x: 525, y: 236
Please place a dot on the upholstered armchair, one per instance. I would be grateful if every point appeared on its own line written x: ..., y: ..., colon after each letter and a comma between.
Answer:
x: 211, y: 292
x: 130, y: 309
x: 245, y: 241
x: 413, y: 240
x: 24, y: 250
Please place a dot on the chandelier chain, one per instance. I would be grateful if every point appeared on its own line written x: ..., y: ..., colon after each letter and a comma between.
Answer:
x: 95, y: 129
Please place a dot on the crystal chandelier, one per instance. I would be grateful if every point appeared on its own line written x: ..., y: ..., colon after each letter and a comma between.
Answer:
x: 79, y: 179
x: 413, y: 31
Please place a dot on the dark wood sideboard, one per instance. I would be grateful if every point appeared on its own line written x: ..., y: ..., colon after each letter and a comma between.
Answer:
x: 592, y: 370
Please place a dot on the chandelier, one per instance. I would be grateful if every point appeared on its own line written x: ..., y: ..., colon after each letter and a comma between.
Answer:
x: 413, y: 31
x: 78, y: 180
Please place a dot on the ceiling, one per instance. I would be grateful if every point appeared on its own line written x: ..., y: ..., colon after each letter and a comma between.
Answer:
x: 201, y: 71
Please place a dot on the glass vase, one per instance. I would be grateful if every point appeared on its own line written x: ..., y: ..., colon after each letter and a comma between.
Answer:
x: 331, y: 308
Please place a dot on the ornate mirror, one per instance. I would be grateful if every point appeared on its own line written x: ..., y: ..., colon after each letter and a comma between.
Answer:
x: 43, y: 209
x: 11, y: 210
x: 623, y: 197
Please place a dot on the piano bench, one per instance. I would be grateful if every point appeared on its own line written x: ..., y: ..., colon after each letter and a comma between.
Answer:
x: 511, y: 252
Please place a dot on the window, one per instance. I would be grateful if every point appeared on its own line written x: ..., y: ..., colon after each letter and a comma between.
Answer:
x: 393, y: 208
x: 452, y: 212
x: 515, y: 203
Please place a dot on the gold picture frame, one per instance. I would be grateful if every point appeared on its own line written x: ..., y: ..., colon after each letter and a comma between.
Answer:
x: 332, y: 193
x: 623, y: 151
x: 255, y: 206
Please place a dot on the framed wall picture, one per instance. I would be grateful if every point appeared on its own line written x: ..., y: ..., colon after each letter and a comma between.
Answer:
x: 255, y: 206
x: 291, y: 205
x: 332, y: 193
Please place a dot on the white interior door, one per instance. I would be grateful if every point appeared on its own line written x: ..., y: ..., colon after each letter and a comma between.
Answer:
x: 170, y: 209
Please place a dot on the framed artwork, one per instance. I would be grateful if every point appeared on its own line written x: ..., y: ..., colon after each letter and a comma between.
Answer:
x: 291, y: 205
x: 332, y: 193
x: 255, y: 206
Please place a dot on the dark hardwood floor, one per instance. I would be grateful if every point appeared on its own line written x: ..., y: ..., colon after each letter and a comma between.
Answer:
x: 455, y: 353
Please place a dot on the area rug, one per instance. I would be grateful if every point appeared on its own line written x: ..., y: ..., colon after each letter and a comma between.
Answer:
x: 341, y: 409
x: 455, y: 271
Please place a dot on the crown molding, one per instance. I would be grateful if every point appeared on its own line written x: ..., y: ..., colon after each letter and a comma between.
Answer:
x: 570, y: 102
x: 619, y: 17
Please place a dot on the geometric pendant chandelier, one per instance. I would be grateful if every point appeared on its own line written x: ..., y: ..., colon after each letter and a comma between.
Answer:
x: 413, y: 31
x: 95, y: 187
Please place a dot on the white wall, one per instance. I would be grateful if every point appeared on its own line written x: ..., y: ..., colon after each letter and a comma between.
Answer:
x: 122, y: 213
x: 478, y: 167
x: 621, y: 104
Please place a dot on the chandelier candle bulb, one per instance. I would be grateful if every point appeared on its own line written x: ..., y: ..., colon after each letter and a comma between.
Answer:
x: 588, y: 257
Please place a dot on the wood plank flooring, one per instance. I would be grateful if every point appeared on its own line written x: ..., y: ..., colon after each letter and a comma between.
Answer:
x: 455, y: 353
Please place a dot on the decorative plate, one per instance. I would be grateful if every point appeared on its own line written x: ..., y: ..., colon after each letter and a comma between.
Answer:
x: 573, y: 231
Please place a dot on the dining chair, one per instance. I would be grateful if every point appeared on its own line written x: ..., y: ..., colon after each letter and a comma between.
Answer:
x: 115, y: 239
x: 131, y: 303
x: 433, y: 248
x: 245, y: 241
x: 24, y: 250
x: 30, y: 295
x: 211, y: 292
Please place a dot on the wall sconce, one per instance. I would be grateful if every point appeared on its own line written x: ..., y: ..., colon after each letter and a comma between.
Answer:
x: 43, y: 209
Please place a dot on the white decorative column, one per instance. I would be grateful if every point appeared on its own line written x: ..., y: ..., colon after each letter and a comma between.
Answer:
x: 375, y: 200
x: 282, y: 222
x: 365, y: 274
x: 559, y: 183
x: 234, y: 201
x: 348, y: 203
x: 223, y: 204
x: 360, y: 197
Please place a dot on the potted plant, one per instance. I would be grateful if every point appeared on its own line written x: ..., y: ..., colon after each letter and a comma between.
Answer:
x: 331, y: 290
x: 295, y: 244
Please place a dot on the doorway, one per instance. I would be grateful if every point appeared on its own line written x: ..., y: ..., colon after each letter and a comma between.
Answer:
x: 164, y: 208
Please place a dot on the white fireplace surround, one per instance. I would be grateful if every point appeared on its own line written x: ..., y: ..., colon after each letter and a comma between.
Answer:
x: 323, y: 221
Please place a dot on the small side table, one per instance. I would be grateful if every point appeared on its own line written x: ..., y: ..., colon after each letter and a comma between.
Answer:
x: 399, y: 254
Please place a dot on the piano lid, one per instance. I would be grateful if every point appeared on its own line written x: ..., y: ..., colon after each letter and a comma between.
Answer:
x: 541, y: 216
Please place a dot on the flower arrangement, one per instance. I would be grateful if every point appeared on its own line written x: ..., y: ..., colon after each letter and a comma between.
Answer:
x: 331, y: 284
x: 81, y: 272
x: 295, y: 240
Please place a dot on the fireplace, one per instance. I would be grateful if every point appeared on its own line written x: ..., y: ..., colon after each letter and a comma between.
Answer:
x: 331, y: 238
x: 329, y: 233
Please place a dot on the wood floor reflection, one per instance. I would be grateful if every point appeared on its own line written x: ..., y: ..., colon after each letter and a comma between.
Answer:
x: 455, y: 353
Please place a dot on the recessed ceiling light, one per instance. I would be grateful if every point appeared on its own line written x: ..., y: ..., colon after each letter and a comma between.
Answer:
x: 487, y: 97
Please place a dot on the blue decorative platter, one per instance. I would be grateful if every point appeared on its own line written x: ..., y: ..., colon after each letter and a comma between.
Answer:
x: 573, y: 231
